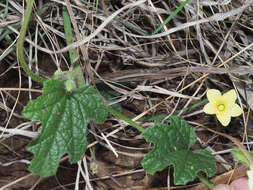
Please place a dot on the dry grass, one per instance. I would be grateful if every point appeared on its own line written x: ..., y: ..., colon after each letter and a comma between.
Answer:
x: 209, y: 44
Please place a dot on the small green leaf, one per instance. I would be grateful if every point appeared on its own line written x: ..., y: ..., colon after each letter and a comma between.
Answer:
x: 73, y: 78
x: 171, y: 147
x: 69, y: 85
x: 250, y: 176
x: 240, y: 156
x: 64, y: 116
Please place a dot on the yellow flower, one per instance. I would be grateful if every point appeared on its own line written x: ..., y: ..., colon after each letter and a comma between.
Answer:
x: 223, y: 106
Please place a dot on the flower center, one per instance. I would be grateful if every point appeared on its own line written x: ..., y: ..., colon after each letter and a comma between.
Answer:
x: 221, y: 107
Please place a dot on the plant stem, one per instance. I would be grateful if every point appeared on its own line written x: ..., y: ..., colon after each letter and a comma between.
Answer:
x: 20, y: 44
x: 126, y: 119
x: 205, y: 181
x: 181, y: 6
x: 200, y: 103
x: 69, y: 35
x: 161, y: 117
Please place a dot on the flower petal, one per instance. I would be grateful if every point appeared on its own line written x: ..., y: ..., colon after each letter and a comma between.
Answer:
x: 230, y: 96
x: 224, y: 119
x: 213, y: 95
x: 209, y: 108
x: 236, y: 110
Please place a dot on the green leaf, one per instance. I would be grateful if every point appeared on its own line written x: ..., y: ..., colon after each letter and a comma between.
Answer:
x: 250, y: 176
x: 64, y: 116
x: 241, y: 157
x: 171, y: 147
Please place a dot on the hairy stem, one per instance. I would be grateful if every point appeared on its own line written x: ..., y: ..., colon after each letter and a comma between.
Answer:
x: 20, y: 44
x: 205, y: 181
x: 126, y: 119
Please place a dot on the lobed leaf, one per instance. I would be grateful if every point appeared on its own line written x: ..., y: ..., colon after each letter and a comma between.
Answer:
x: 64, y: 116
x: 171, y: 147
